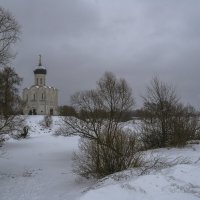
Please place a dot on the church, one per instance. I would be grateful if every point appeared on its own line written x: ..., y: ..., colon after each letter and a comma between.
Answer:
x: 40, y: 99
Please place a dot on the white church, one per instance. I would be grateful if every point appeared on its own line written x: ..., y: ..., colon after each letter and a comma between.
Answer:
x: 40, y: 99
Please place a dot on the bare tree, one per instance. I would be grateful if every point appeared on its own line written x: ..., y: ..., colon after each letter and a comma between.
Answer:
x: 10, y: 102
x: 9, y: 34
x: 98, y: 116
x: 167, y: 121
x: 100, y: 109
x: 97, y: 160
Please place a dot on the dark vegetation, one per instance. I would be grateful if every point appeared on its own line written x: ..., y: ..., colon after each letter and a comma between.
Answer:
x: 10, y: 102
x: 167, y: 121
x: 9, y: 34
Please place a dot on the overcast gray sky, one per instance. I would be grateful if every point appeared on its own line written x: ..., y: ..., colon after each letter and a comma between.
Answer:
x: 135, y: 39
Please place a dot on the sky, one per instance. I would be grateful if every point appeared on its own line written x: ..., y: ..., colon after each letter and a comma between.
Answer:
x: 80, y: 40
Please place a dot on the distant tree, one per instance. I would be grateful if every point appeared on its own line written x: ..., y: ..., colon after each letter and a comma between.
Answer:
x: 67, y: 111
x: 9, y: 34
x: 166, y: 121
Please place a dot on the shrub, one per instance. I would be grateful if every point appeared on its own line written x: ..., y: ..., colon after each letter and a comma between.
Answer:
x: 112, y: 153
x: 167, y: 121
x: 23, y: 133
x: 47, y: 121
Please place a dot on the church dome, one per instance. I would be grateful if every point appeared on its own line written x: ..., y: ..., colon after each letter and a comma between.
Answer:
x: 40, y: 69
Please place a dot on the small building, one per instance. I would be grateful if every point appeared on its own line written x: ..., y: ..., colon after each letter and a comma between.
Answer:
x: 40, y: 99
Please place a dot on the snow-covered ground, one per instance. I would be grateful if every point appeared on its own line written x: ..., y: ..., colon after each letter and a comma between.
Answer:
x: 178, y: 182
x: 40, y: 168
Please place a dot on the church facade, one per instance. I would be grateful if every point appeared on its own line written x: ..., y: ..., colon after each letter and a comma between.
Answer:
x: 40, y: 99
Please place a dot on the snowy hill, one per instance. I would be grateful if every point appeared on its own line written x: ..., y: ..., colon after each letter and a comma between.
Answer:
x: 40, y: 167
x: 178, y: 182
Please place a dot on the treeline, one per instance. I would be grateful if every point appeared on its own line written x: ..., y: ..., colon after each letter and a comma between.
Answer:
x: 137, y: 114
x: 67, y: 110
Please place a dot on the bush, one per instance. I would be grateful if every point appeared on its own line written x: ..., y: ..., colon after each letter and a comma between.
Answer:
x: 179, y: 129
x: 21, y: 134
x: 167, y: 121
x: 11, y: 126
x: 24, y: 134
x: 112, y: 153
x: 47, y: 121
x: 2, y: 139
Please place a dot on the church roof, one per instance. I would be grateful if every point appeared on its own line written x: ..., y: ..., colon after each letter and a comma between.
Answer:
x: 40, y: 71
x: 39, y: 87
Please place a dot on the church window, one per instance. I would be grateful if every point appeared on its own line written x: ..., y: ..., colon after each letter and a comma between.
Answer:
x: 34, y: 111
x: 51, y: 111
x: 37, y: 82
x: 42, y: 96
x: 34, y: 97
x: 41, y: 81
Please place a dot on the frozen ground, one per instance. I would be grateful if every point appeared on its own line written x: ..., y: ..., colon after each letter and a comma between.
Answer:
x: 39, y: 168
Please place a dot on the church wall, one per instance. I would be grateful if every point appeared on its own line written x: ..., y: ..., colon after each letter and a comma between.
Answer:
x: 42, y: 99
x: 40, y: 79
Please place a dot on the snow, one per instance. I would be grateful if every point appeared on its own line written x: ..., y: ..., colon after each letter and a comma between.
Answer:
x: 176, y: 182
x: 40, y: 168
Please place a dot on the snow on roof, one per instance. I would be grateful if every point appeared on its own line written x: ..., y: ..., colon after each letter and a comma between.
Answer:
x: 40, y: 67
x: 38, y: 86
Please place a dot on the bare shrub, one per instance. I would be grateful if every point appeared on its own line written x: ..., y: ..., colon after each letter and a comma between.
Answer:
x: 167, y: 121
x: 11, y: 126
x: 24, y: 133
x: 47, y: 121
x: 156, y: 162
x: 112, y: 153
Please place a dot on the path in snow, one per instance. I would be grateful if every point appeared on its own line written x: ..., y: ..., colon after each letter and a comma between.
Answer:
x: 39, y: 167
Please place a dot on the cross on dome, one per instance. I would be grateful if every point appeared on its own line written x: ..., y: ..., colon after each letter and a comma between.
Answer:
x: 40, y: 60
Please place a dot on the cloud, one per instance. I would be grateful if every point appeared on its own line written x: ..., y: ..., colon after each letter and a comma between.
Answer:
x: 135, y: 39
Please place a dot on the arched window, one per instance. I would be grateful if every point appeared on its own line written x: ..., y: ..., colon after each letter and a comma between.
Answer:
x: 51, y: 111
x: 41, y: 81
x: 34, y: 97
